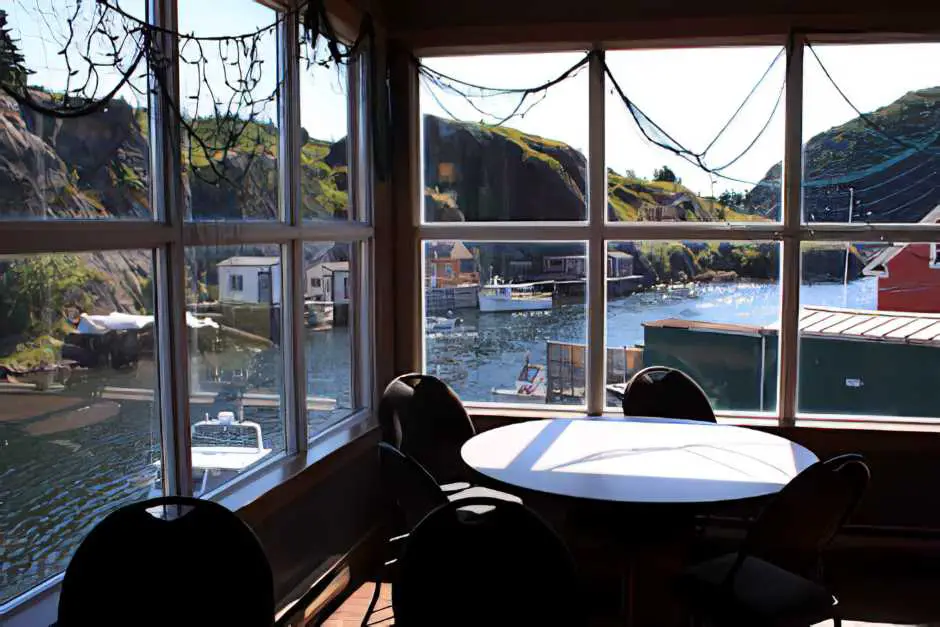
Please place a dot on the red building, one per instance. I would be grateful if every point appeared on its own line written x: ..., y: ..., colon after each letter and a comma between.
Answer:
x: 908, y: 275
x: 450, y: 264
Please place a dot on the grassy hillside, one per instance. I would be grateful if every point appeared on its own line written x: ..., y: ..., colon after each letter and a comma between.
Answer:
x: 885, y: 169
x: 631, y: 199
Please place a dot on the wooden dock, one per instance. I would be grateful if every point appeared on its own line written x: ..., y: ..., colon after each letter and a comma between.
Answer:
x: 314, y: 403
x: 441, y: 299
x: 567, y: 367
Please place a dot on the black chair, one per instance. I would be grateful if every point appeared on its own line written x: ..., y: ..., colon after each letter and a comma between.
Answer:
x: 422, y: 417
x: 168, y: 561
x: 776, y: 577
x: 502, y: 567
x: 415, y: 491
x: 666, y: 393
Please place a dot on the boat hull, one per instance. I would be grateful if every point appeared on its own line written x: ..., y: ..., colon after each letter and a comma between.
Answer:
x: 515, y: 304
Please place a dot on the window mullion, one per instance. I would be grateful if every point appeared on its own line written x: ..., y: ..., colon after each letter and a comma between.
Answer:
x: 292, y: 311
x: 792, y: 216
x: 167, y: 201
x: 361, y: 330
x: 597, y: 213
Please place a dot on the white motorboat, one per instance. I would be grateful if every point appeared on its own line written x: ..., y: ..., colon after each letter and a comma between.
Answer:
x: 499, y: 296
x: 438, y: 323
x: 222, y: 448
x: 618, y: 390
x: 530, y: 383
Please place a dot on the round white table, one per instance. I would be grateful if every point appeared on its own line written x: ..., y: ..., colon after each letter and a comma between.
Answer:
x: 637, y: 460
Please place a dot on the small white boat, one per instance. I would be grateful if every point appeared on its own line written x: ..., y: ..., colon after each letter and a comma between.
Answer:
x: 215, y: 464
x: 437, y: 323
x: 498, y: 296
x: 530, y: 383
x: 617, y: 389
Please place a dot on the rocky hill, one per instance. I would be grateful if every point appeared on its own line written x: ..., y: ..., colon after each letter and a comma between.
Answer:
x: 480, y: 172
x: 891, y: 172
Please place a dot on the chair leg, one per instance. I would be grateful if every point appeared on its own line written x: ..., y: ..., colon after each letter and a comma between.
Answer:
x: 385, y: 569
x: 372, y: 602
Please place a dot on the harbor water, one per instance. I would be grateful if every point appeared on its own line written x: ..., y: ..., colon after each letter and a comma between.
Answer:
x: 488, y: 350
x: 57, y: 479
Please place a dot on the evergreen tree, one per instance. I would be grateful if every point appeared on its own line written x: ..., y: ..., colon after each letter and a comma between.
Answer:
x: 664, y: 174
x: 12, y: 71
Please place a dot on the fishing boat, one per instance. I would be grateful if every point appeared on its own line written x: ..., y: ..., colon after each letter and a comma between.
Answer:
x: 438, y: 323
x: 499, y: 296
x: 222, y: 447
x: 530, y: 383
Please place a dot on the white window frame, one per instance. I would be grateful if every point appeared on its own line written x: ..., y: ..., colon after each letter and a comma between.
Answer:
x: 790, y: 232
x: 168, y: 234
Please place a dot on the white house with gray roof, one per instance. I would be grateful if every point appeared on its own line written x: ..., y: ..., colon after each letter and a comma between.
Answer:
x: 250, y: 280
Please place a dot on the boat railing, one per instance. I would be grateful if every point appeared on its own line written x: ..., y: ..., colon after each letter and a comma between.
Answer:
x: 243, y: 424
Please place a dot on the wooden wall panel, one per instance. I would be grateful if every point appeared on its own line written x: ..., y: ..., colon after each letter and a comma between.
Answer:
x: 430, y: 25
x: 308, y: 522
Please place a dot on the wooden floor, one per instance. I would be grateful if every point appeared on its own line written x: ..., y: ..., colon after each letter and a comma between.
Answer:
x: 350, y: 614
x: 875, y: 590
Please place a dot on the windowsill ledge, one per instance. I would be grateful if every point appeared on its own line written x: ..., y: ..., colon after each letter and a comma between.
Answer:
x: 810, y: 421
x: 39, y: 606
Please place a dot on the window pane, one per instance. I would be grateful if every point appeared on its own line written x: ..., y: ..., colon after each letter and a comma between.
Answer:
x: 328, y: 300
x: 883, y: 163
x: 229, y: 94
x: 79, y: 429
x: 531, y: 168
x: 324, y: 115
x: 236, y: 369
x: 733, y: 141
x: 869, y: 329
x: 504, y: 321
x: 92, y: 167
x: 710, y: 309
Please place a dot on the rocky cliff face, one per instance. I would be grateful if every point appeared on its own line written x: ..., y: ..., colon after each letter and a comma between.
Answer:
x: 478, y: 172
x: 891, y: 174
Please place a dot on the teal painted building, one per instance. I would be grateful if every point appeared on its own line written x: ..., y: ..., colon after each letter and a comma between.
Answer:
x: 865, y: 363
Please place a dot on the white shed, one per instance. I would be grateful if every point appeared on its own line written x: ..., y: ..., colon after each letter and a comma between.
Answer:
x: 254, y: 280
x: 328, y: 282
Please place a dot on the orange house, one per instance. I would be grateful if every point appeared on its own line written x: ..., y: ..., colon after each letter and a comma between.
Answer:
x: 909, y: 275
x: 450, y: 264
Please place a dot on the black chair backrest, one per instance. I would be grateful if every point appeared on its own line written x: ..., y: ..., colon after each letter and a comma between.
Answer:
x: 666, y: 393
x: 422, y: 417
x: 168, y: 561
x: 412, y: 487
x: 803, y: 518
x: 502, y: 567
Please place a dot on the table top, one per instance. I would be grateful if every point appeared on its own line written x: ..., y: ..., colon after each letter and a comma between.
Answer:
x: 637, y: 460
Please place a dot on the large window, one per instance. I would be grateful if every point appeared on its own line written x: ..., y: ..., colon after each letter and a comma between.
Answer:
x: 706, y: 308
x: 79, y: 424
x: 517, y: 338
x: 716, y: 165
x: 476, y: 170
x: 330, y: 326
x: 759, y: 217
x: 214, y: 329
